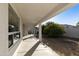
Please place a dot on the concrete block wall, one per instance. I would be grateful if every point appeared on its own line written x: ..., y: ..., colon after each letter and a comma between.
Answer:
x: 71, y: 31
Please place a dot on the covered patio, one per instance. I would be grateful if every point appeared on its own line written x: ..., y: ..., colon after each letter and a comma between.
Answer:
x: 18, y: 18
x: 32, y: 15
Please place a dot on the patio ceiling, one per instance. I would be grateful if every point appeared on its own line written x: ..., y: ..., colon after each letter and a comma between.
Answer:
x: 34, y: 13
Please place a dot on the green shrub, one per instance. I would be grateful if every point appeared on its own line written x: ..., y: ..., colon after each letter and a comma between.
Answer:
x: 53, y: 30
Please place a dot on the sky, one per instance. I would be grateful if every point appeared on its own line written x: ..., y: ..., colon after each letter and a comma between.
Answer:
x: 70, y: 16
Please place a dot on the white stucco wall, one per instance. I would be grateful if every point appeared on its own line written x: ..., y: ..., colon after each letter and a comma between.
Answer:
x: 4, y: 50
x: 3, y: 29
x: 71, y: 31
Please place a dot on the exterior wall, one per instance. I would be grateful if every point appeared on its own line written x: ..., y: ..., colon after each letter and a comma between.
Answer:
x: 71, y: 31
x: 4, y: 50
x: 3, y: 29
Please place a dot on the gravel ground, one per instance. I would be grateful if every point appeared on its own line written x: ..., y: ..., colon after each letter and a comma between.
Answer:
x: 63, y: 46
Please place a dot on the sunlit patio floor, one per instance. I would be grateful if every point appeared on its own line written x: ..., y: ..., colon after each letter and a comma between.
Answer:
x: 32, y: 47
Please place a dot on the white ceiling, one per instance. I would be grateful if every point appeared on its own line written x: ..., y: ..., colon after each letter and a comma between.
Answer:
x: 34, y: 13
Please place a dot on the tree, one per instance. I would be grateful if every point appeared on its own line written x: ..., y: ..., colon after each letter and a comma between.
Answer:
x: 53, y: 30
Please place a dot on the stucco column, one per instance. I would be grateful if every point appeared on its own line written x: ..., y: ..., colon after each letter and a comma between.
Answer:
x: 34, y: 31
x: 40, y: 32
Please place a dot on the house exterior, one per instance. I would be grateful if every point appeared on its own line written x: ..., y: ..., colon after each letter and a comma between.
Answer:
x: 17, y: 18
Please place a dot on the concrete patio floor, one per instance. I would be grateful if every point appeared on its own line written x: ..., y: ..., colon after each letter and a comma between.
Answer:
x: 32, y: 47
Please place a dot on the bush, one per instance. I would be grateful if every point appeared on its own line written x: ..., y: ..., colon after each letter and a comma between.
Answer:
x: 43, y: 26
x: 53, y: 30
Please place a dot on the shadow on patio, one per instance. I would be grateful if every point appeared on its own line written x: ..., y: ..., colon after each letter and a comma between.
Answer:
x: 31, y: 51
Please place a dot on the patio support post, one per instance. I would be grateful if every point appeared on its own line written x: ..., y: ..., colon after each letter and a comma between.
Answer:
x: 34, y: 31
x: 40, y: 32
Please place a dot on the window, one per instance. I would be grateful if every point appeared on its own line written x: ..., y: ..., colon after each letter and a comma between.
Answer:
x: 13, y: 27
